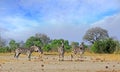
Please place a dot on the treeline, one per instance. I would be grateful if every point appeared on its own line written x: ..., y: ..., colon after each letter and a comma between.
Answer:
x: 40, y: 40
x: 98, y: 39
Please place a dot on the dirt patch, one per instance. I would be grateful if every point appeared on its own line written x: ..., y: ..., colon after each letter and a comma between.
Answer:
x: 50, y: 63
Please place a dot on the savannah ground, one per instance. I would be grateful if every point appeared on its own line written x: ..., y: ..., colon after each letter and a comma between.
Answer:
x: 50, y: 63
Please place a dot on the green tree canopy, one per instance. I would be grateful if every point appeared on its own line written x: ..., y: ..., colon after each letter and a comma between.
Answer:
x: 43, y: 37
x: 40, y: 40
x: 33, y: 41
x: 13, y: 45
x: 54, y: 44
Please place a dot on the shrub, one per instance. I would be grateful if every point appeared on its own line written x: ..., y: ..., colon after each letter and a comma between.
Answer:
x: 104, y: 46
x: 117, y: 51
x: 47, y: 48
x: 4, y: 49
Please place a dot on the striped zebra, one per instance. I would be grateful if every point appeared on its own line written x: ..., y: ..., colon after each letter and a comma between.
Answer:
x: 27, y: 51
x: 78, y: 51
x: 61, y: 51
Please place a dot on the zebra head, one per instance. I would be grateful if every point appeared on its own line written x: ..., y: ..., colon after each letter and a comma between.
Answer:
x: 82, y: 46
x: 36, y: 49
x: 62, y: 44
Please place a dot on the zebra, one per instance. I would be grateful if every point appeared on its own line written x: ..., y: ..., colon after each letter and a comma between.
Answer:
x: 61, y: 51
x: 27, y: 51
x: 78, y: 50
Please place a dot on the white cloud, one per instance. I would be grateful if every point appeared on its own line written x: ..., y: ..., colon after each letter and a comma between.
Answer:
x: 69, y: 10
x: 112, y: 24
x: 20, y: 28
x: 58, y: 18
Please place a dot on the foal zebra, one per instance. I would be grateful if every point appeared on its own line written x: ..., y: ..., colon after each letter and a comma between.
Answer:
x: 61, y: 51
x: 78, y: 50
x: 27, y: 51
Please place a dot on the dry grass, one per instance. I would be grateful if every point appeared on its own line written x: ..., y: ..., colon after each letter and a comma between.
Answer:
x: 104, y: 57
x: 107, y: 57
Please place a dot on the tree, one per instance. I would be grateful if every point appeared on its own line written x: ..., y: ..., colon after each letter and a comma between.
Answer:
x: 57, y: 42
x: 74, y: 44
x: 40, y: 40
x: 67, y: 46
x: 33, y: 41
x: 47, y: 48
x: 2, y: 42
x: 13, y: 45
x: 95, y: 34
x: 43, y: 37
x: 21, y: 44
x: 3, y: 47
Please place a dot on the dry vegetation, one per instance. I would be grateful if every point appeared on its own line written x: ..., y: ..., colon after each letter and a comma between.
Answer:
x: 49, y: 63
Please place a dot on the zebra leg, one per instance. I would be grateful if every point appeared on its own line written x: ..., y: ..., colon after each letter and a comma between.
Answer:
x: 29, y: 56
x: 40, y: 56
x: 62, y: 57
x: 59, y: 57
x: 17, y: 55
x: 81, y: 54
x: 71, y: 57
x: 76, y: 56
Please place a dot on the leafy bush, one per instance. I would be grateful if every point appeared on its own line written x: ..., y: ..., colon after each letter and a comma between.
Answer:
x: 4, y: 49
x: 13, y: 45
x: 53, y: 46
x: 47, y: 48
x: 104, y: 46
x: 117, y: 51
x: 68, y: 48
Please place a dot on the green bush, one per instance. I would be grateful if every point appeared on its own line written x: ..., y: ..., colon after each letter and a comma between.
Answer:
x: 117, y: 51
x: 68, y: 48
x: 4, y: 49
x: 104, y: 46
x: 47, y: 48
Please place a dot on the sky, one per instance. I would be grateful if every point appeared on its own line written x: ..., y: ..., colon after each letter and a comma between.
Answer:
x: 66, y: 19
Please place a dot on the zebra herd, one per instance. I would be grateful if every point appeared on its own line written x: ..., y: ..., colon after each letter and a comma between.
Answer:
x: 61, y: 50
